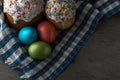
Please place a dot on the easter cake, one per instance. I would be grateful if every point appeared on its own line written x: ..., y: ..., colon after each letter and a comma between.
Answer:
x: 61, y: 12
x: 23, y: 12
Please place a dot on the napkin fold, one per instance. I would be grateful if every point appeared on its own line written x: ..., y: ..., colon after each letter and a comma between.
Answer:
x: 66, y: 46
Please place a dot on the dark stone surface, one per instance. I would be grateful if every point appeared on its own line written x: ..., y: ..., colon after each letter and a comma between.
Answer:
x: 99, y: 59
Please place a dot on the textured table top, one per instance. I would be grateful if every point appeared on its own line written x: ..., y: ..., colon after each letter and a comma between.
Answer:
x: 99, y: 59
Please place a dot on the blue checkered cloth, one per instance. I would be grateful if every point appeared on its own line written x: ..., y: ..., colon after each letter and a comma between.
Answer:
x: 67, y: 45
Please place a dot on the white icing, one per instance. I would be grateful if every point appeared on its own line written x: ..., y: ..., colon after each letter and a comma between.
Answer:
x: 23, y: 9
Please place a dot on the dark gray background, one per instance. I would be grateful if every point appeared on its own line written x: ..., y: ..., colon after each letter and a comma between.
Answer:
x: 99, y: 59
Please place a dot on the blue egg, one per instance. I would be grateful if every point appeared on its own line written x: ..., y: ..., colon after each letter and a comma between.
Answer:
x: 27, y: 35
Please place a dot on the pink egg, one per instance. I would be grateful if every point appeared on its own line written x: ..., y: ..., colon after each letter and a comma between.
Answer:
x: 47, y: 31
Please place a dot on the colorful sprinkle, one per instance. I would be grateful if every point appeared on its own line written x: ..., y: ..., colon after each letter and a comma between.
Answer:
x: 60, y: 10
x: 23, y: 9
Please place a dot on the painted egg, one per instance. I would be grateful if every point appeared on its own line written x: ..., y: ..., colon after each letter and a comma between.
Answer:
x: 47, y: 31
x: 39, y: 50
x: 27, y: 35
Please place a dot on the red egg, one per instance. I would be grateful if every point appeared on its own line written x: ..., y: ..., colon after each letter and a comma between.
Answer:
x: 47, y: 31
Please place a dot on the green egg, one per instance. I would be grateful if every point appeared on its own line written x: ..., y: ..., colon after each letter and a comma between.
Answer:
x: 39, y: 50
